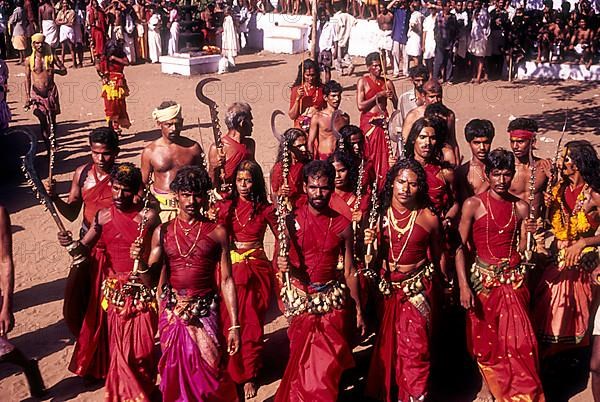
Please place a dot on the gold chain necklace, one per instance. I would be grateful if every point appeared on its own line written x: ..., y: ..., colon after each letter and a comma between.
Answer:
x: 409, y: 227
x: 193, y: 246
x: 394, y: 222
x: 487, y: 229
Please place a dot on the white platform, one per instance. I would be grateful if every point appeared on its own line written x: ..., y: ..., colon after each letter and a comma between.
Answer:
x: 278, y: 33
x: 577, y: 72
x: 189, y: 64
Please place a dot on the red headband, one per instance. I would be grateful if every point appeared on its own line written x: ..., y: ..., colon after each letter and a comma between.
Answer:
x: 522, y: 134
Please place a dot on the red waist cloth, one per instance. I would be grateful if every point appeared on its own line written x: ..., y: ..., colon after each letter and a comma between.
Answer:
x: 319, y: 353
x: 193, y: 275
x: 562, y: 310
x: 90, y: 356
x: 400, y: 363
x: 376, y: 147
x: 133, y: 364
x: 494, y: 235
x: 439, y: 190
x: 254, y: 279
x: 316, y: 244
x: 242, y: 222
x: 409, y: 250
x: 96, y: 197
x: 502, y: 340
x: 236, y: 153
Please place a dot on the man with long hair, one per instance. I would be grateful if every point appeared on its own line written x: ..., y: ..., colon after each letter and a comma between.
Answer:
x: 246, y: 214
x: 307, y: 94
x: 410, y: 254
x: 110, y: 68
x: 294, y: 146
x: 564, y: 295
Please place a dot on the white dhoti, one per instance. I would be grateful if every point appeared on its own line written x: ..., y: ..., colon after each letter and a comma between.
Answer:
x: 50, y: 32
x: 66, y: 33
x: 154, y: 46
x: 385, y: 41
x: 478, y: 48
x: 173, y: 39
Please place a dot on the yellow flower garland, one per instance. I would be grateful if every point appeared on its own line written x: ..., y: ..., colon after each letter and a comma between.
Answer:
x: 577, y: 224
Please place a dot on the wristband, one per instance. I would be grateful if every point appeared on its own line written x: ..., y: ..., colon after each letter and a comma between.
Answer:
x: 234, y: 327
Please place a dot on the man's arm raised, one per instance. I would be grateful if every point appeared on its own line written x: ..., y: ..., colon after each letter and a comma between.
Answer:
x: 69, y: 209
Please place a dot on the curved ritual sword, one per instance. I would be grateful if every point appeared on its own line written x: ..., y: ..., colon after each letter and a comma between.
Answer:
x: 278, y: 136
x: 216, y: 126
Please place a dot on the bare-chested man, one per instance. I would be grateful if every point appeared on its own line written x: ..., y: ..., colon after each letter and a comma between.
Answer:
x: 385, y: 22
x: 432, y: 93
x: 372, y: 96
x: 470, y: 178
x: 47, y: 15
x: 522, y: 139
x: 142, y: 29
x: 321, y: 138
x: 42, y: 92
x: 237, y: 146
x: 582, y: 43
x: 162, y: 158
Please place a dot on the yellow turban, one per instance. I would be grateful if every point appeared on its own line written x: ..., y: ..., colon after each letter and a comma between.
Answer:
x: 37, y: 37
x: 166, y: 114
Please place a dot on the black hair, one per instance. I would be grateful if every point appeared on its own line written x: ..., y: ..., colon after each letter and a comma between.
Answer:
x: 332, y: 86
x: 500, y: 159
x: 192, y: 179
x: 422, y: 187
x: 479, y: 128
x: 419, y: 71
x: 166, y: 104
x: 439, y: 126
x: 114, y: 47
x: 437, y: 110
x: 346, y: 132
x: 522, y: 123
x: 128, y: 174
x: 106, y: 136
x: 585, y: 157
x: 339, y: 5
x: 309, y: 64
x: 287, y: 140
x: 372, y: 57
x: 258, y: 193
x: 318, y: 169
x: 348, y: 161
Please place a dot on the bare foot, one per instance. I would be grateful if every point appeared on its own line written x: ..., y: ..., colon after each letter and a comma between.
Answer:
x: 250, y: 390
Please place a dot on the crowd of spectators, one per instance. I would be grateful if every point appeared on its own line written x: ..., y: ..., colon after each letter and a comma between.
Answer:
x: 460, y: 40
x: 455, y: 39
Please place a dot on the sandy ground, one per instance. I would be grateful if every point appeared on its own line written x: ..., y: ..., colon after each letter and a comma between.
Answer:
x: 263, y: 80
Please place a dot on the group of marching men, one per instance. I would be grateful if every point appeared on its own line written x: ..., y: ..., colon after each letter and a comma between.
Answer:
x: 373, y: 234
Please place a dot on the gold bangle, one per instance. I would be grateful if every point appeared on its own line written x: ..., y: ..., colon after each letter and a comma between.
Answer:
x: 234, y: 327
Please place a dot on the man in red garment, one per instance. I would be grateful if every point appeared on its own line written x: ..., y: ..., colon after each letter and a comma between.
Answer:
x: 188, y: 251
x: 317, y: 302
x: 372, y: 96
x: 237, y: 145
x: 90, y: 190
x: 306, y: 97
x: 347, y: 199
x: 410, y: 253
x: 293, y: 144
x: 499, y: 331
x: 128, y: 296
x: 96, y: 20
x: 352, y: 141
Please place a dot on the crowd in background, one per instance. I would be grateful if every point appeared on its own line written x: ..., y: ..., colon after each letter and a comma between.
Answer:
x: 454, y: 39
